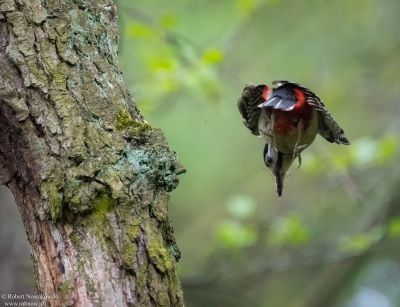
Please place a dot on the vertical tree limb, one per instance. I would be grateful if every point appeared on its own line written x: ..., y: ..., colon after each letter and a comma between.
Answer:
x: 90, y: 176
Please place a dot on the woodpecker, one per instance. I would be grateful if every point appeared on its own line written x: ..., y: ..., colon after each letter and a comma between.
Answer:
x: 288, y: 117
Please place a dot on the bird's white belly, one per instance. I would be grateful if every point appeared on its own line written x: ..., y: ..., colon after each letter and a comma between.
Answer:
x: 265, y: 126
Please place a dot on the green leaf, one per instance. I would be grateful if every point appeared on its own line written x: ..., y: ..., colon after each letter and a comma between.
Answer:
x: 212, y: 56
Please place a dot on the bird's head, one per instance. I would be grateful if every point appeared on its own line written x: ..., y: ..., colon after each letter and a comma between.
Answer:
x: 278, y: 163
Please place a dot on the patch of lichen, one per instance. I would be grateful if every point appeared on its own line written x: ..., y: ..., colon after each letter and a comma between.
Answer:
x: 81, y: 196
x: 103, y: 204
x: 159, y: 255
x: 163, y: 299
x: 132, y: 230
x: 159, y: 207
x: 128, y: 256
x: 97, y: 221
x: 130, y: 226
x: 167, y: 168
x: 50, y: 191
x: 169, y: 238
x: 64, y: 289
x: 175, y: 290
x: 125, y: 122
x: 81, y: 265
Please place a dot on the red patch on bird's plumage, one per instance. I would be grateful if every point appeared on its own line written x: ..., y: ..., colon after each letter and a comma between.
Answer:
x: 265, y: 93
x: 286, y: 121
x: 301, y: 99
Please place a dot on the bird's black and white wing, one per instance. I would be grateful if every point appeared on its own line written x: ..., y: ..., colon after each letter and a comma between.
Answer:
x: 282, y: 97
x: 328, y: 128
x: 248, y: 103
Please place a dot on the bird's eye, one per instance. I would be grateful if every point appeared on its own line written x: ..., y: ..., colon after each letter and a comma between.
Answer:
x: 268, y: 160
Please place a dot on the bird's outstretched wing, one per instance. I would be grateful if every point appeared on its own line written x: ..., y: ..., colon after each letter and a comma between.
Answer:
x: 328, y: 128
x: 248, y: 106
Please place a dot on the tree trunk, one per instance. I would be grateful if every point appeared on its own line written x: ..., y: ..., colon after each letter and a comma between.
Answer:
x: 90, y: 176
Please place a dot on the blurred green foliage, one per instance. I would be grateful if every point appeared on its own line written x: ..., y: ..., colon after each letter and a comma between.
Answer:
x: 288, y: 230
x: 394, y: 227
x: 361, y: 242
x: 235, y: 235
x: 332, y: 237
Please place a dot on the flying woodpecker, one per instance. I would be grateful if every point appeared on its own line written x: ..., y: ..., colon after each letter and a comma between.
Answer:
x: 288, y: 117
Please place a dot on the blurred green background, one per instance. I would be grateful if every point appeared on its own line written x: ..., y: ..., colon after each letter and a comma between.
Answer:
x: 333, y: 238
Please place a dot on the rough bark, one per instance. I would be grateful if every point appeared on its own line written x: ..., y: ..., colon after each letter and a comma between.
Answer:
x: 90, y: 176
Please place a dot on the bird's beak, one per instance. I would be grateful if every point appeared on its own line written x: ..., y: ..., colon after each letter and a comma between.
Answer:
x: 279, y: 183
x: 281, y: 169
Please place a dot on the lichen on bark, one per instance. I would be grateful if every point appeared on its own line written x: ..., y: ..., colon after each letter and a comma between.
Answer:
x: 91, y: 177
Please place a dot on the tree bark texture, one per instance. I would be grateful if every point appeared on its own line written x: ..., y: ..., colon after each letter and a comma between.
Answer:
x: 90, y: 176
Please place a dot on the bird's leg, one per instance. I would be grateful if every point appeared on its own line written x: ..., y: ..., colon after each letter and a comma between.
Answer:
x: 299, y: 159
x: 297, y: 148
x: 271, y: 129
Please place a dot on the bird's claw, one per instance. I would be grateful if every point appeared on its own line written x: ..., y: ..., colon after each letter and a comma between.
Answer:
x: 299, y: 159
x: 296, y: 153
